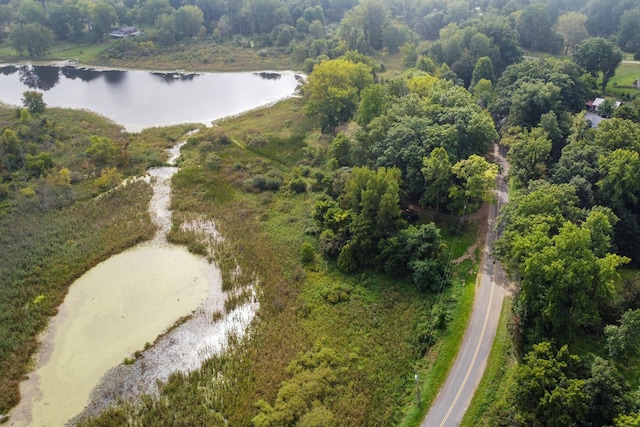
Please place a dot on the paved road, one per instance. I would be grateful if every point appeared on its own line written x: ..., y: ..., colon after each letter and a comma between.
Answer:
x: 463, y: 379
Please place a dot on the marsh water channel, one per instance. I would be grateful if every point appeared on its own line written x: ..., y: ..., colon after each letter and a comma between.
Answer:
x: 127, y: 304
x: 120, y: 307
x: 139, y: 99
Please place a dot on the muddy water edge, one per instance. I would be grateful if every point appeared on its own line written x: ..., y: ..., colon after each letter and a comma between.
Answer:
x: 116, y: 311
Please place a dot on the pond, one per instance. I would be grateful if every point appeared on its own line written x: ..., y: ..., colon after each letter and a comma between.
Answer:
x: 139, y: 99
x: 120, y: 306
x: 109, y: 313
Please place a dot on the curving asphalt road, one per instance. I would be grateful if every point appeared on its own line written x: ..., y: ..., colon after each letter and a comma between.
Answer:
x: 466, y: 373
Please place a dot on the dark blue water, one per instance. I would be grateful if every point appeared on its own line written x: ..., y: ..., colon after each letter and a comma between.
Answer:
x: 140, y: 99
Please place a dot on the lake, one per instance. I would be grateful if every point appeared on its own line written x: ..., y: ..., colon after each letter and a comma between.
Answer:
x: 140, y: 99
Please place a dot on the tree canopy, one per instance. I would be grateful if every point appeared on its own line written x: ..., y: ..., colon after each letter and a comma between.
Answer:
x: 333, y: 91
x: 598, y: 55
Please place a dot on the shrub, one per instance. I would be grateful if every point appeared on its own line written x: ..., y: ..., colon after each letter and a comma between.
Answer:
x: 308, y: 65
x: 298, y: 186
x: 336, y: 293
x: 259, y: 182
x: 307, y: 253
x: 212, y: 162
x: 257, y: 141
x: 205, y: 146
x: 346, y: 259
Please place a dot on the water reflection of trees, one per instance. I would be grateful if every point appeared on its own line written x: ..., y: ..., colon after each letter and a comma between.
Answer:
x: 84, y: 74
x: 172, y: 77
x: 269, y: 76
x: 8, y: 70
x: 43, y: 77
x: 114, y: 76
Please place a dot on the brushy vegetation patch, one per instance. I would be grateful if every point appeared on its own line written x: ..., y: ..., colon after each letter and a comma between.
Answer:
x: 203, y: 55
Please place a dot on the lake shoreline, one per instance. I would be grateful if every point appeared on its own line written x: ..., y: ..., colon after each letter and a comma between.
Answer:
x: 105, y: 67
x: 139, y: 99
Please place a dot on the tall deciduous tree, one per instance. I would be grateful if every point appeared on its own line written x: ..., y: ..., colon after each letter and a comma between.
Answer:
x: 528, y: 155
x: 629, y: 31
x: 618, y: 133
x: 373, y: 199
x: 483, y: 70
x: 505, y: 38
x: 565, y: 284
x: 188, y: 21
x: 34, y: 38
x: 363, y: 26
x: 621, y: 177
x: 437, y: 177
x: 533, y: 88
x: 598, y: 55
x: 103, y: 17
x: 151, y: 9
x: 546, y: 390
x: 32, y: 100
x: 536, y: 29
x: 333, y: 89
x: 531, y: 218
x: 603, y: 16
x: 32, y: 11
x: 571, y: 26
x: 476, y: 181
x: 622, y: 339
x: 372, y: 103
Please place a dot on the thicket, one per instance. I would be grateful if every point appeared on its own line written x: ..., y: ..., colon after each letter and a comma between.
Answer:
x: 311, y: 32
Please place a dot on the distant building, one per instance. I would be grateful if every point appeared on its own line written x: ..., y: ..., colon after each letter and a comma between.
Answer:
x: 594, y: 106
x: 123, y: 32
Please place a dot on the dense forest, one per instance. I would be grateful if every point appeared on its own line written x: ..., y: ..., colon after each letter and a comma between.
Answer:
x: 360, y: 185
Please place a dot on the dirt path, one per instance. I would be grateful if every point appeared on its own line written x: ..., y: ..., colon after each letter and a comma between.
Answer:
x: 483, y: 228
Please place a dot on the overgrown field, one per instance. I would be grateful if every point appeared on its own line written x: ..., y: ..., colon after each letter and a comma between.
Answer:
x: 327, y: 345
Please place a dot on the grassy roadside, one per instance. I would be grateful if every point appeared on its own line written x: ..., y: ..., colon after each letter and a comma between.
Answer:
x: 499, y: 361
x: 434, y: 368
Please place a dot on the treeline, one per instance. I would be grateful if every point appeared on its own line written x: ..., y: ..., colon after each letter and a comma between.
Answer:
x: 420, y: 139
x: 566, y: 232
x: 315, y: 29
x: 569, y: 227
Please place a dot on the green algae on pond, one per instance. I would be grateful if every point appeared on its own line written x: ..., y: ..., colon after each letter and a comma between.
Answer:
x: 109, y: 313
